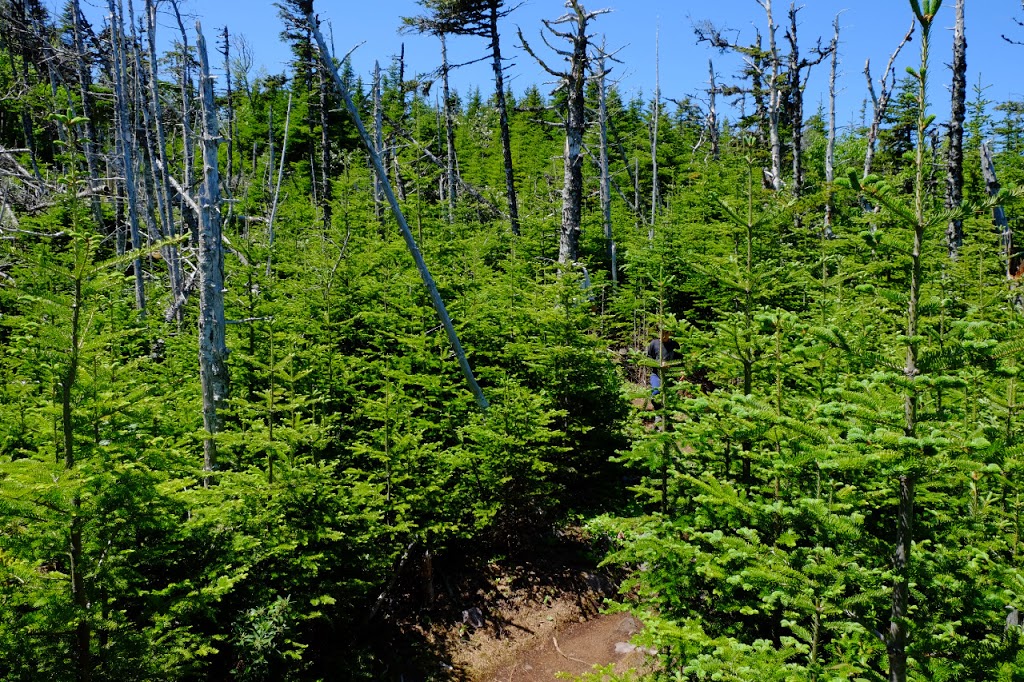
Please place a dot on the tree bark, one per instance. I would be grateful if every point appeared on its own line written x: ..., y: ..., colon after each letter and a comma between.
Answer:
x: 830, y: 146
x: 213, y: 352
x: 880, y: 102
x: 774, y: 99
x: 449, y: 129
x: 573, y: 81
x: 606, y: 190
x: 955, y: 163
x: 713, y: 112
x: 84, y: 87
x: 655, y: 117
x: 506, y: 138
x: 992, y: 187
x: 410, y: 242
x: 127, y: 145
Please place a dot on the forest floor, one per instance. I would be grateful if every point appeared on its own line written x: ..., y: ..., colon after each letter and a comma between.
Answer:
x: 532, y: 617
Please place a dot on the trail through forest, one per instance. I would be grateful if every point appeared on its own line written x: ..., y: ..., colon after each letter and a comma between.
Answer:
x: 546, y: 639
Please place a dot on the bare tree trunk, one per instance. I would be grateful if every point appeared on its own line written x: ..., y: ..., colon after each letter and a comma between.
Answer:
x: 955, y: 164
x: 774, y: 98
x: 713, y: 112
x: 120, y: 64
x: 277, y: 187
x: 163, y: 190
x: 880, y: 102
x: 449, y: 128
x: 830, y: 146
x: 84, y: 83
x: 428, y: 281
x: 796, y: 95
x: 326, y: 172
x: 378, y: 142
x: 228, y: 185
x: 606, y: 193
x: 506, y: 138
x: 575, y: 124
x: 988, y: 170
x: 656, y: 115
x: 213, y: 352
x: 186, y: 117
x: 399, y: 124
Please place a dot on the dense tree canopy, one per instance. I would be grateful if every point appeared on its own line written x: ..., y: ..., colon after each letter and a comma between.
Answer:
x: 827, y: 487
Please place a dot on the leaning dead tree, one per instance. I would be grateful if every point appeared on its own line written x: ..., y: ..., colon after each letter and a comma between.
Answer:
x: 571, y: 27
x: 435, y: 297
x: 213, y: 351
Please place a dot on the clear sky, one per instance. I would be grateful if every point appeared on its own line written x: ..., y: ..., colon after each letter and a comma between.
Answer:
x: 869, y: 29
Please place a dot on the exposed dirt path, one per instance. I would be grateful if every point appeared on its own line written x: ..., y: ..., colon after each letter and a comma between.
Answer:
x: 577, y: 649
x: 533, y: 640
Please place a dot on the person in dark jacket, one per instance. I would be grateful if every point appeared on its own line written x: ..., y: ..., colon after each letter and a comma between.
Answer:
x: 662, y: 350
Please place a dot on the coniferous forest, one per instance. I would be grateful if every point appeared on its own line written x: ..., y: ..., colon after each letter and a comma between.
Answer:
x: 275, y: 385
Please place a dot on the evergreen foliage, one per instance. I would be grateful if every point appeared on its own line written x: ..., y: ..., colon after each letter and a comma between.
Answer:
x: 827, y: 389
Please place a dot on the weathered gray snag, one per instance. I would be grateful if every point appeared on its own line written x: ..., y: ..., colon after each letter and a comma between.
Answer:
x: 127, y: 145
x: 774, y: 98
x: 988, y: 171
x: 277, y: 187
x: 880, y: 102
x: 213, y: 351
x: 713, y: 112
x: 655, y: 117
x: 163, y: 189
x: 410, y: 242
x: 830, y: 146
x: 606, y: 189
x: 955, y: 163
x: 799, y: 73
x: 572, y: 82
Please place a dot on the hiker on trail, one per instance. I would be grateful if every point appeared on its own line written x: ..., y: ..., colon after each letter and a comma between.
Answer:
x: 662, y: 350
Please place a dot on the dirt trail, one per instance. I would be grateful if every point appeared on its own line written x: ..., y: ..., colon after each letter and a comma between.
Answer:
x: 576, y: 649
x: 534, y: 640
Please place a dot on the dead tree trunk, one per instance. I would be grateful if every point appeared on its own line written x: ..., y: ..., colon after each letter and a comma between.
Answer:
x: 576, y: 22
x: 606, y: 190
x: 213, y: 352
x: 326, y: 171
x: 127, y: 145
x: 988, y: 170
x: 880, y: 102
x: 449, y: 128
x: 506, y: 138
x: 163, y: 189
x: 378, y: 141
x: 955, y: 163
x: 774, y: 98
x: 655, y: 117
x: 187, y: 152
x: 830, y: 146
x: 713, y: 112
x: 84, y: 82
x: 428, y: 281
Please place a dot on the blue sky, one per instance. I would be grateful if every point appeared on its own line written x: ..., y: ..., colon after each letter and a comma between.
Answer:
x: 869, y: 29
